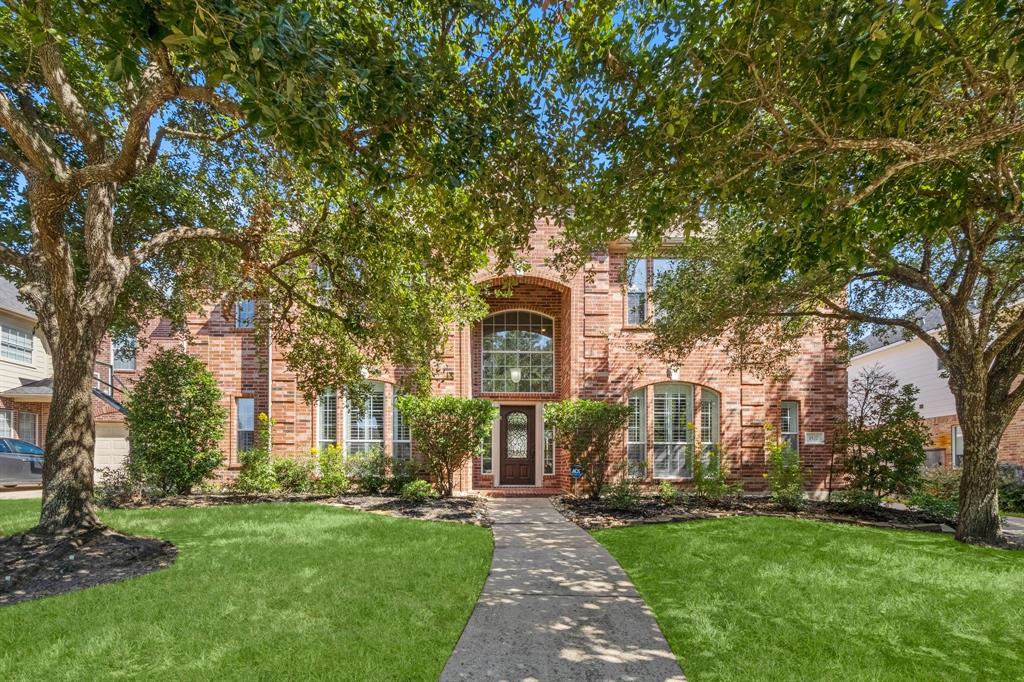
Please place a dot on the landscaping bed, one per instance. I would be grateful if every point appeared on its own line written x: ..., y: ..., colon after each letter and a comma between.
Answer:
x: 590, y: 514
x: 34, y: 565
x: 471, y: 510
x: 455, y: 509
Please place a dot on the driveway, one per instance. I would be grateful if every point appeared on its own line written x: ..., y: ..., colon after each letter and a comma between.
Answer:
x: 20, y: 493
x: 557, y: 606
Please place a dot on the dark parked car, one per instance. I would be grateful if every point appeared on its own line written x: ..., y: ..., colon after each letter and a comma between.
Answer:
x: 21, y: 463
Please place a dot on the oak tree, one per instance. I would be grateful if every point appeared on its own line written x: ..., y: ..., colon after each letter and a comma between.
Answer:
x: 350, y: 164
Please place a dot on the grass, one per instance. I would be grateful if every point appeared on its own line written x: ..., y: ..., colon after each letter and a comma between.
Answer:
x: 787, y: 599
x: 287, y: 591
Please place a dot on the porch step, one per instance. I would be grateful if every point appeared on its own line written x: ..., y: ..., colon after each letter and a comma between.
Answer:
x: 524, y: 491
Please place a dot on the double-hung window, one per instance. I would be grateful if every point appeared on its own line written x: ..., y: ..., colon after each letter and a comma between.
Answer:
x: 636, y: 296
x: 27, y: 425
x: 6, y: 424
x: 245, y: 314
x: 401, y: 443
x: 636, y: 435
x: 326, y: 419
x: 365, y: 421
x: 124, y: 352
x: 644, y: 276
x: 789, y: 427
x: 673, y: 439
x: 15, y: 344
x: 245, y: 420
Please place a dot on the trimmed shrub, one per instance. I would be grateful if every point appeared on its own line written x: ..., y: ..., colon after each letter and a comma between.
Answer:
x: 332, y: 480
x: 785, y: 473
x: 402, y: 471
x: 176, y: 422
x: 448, y: 432
x: 585, y: 429
x: 668, y: 492
x: 369, y: 470
x: 295, y: 475
x: 417, y: 492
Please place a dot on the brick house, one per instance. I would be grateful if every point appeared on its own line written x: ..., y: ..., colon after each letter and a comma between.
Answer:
x: 913, y: 362
x: 545, y: 339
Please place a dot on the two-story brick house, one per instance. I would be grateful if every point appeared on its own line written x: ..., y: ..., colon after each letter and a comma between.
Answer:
x: 545, y: 339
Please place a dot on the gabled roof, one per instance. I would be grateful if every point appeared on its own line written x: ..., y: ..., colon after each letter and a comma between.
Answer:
x: 928, y: 319
x: 9, y: 301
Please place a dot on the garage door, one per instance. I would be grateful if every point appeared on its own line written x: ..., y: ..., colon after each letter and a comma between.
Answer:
x: 111, y: 445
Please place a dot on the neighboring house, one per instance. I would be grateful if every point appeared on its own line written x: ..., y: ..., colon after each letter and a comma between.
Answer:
x: 911, y: 361
x: 550, y: 340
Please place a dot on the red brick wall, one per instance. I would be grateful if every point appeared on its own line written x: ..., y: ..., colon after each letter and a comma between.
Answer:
x: 596, y: 357
x: 1011, y: 447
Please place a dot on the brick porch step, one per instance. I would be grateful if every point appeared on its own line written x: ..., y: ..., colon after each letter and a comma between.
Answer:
x: 520, y: 491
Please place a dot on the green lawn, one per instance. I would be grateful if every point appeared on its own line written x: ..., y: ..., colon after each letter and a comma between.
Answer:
x: 785, y: 599
x: 286, y: 591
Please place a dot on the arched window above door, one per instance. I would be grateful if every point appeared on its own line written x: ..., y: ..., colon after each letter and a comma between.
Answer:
x: 518, y: 353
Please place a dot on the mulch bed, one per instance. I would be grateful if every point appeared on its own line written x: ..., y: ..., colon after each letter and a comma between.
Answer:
x: 34, y: 565
x: 596, y: 514
x: 214, y: 500
x: 455, y: 509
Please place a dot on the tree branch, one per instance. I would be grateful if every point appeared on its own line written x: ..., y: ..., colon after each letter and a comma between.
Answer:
x: 843, y: 313
x: 29, y: 141
x: 161, y: 241
x: 64, y: 94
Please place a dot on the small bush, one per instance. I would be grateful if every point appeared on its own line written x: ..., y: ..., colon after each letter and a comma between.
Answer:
x: 939, y: 492
x: 785, y: 474
x: 1011, y: 488
x: 294, y: 475
x: 176, y: 422
x: 668, y: 492
x: 710, y: 477
x: 417, y: 492
x: 402, y: 471
x: 882, y: 439
x: 585, y: 429
x: 118, y: 485
x: 369, y: 470
x: 332, y: 480
x: 856, y: 498
x: 257, y: 474
x: 623, y: 494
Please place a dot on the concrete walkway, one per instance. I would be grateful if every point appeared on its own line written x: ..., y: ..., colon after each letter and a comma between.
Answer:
x: 556, y: 606
x: 20, y: 493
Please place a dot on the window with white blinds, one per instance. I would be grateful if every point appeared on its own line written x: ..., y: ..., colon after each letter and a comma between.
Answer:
x: 673, y: 414
x: 365, y: 422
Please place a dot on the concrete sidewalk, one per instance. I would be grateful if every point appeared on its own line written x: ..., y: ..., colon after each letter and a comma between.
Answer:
x: 556, y: 606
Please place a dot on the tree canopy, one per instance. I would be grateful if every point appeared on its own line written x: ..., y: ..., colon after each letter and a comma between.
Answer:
x: 350, y: 164
x: 855, y: 162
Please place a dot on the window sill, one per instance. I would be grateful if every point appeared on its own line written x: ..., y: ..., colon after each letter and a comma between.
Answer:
x: 30, y: 365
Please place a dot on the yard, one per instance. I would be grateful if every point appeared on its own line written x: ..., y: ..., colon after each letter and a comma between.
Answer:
x: 786, y: 599
x: 297, y: 591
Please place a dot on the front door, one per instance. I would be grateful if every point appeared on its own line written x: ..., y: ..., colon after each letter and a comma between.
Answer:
x: 517, y: 444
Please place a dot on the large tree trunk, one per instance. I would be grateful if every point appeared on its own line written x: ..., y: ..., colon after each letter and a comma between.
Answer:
x: 978, y: 516
x: 70, y: 435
